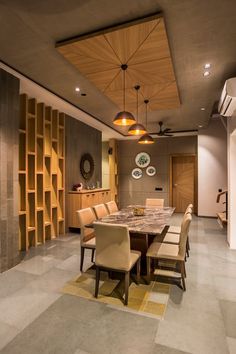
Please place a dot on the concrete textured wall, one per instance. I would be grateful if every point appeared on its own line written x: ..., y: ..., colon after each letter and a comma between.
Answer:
x: 105, y: 165
x: 81, y: 139
x: 133, y: 191
x: 9, y: 145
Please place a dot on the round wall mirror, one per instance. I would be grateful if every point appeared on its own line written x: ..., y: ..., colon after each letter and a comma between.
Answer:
x: 86, y: 166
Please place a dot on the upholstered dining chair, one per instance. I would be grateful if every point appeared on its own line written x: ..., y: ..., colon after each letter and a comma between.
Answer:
x: 154, y: 202
x: 171, y: 252
x: 113, y: 253
x: 175, y: 230
x: 86, y: 217
x: 100, y: 211
x: 111, y: 207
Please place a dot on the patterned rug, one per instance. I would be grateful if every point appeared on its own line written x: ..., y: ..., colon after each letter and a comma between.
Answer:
x: 149, y: 300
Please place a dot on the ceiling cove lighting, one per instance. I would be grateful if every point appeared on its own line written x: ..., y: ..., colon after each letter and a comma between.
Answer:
x: 146, y: 138
x: 124, y: 118
x: 137, y: 128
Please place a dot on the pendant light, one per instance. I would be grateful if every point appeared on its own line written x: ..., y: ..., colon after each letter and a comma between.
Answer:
x: 124, y: 117
x: 146, y: 138
x: 137, y: 128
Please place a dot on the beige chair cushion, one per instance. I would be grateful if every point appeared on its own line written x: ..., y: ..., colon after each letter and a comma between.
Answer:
x: 174, y: 229
x: 100, y: 211
x: 172, y: 238
x: 113, y: 247
x: 86, y: 216
x: 154, y: 202
x: 163, y: 250
x: 111, y: 207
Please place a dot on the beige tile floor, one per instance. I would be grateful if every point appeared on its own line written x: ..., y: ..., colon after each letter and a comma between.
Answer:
x: 35, y: 317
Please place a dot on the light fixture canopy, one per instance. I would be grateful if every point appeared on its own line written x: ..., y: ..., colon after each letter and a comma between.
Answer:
x: 124, y: 118
x: 146, y: 138
x: 137, y: 128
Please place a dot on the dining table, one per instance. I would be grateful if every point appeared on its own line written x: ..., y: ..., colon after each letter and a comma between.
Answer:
x: 144, y: 228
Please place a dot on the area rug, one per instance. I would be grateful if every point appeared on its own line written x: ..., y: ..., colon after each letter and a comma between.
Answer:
x: 145, y: 299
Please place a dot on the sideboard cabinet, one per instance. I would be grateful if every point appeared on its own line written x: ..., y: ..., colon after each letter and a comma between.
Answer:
x: 85, y: 199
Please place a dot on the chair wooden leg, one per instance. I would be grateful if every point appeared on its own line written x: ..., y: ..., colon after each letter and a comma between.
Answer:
x: 185, y: 275
x: 188, y: 244
x: 97, y: 281
x: 138, y: 270
x: 81, y: 259
x: 92, y: 256
x: 182, y: 276
x: 148, y: 268
x: 126, y: 288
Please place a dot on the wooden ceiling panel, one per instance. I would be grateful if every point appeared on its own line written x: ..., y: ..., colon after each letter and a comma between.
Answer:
x: 143, y: 47
x: 126, y: 41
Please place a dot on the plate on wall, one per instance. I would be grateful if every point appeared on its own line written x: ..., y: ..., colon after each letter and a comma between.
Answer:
x: 142, y: 159
x: 151, y: 171
x: 137, y: 173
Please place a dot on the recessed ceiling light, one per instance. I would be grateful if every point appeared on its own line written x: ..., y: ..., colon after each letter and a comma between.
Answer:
x: 200, y: 126
x: 77, y: 89
x: 206, y: 73
x: 207, y: 65
x: 203, y: 108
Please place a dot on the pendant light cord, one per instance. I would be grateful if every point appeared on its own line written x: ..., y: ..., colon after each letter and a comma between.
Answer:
x: 137, y: 105
x: 124, y: 90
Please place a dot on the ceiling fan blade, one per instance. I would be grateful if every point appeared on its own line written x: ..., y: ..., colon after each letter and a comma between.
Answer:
x: 166, y: 130
x: 168, y: 135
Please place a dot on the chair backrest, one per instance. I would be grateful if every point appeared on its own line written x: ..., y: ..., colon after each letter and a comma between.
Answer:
x: 189, y: 209
x: 111, y: 207
x: 112, y: 246
x: 100, y: 210
x: 184, y: 233
x: 151, y: 202
x: 86, y: 216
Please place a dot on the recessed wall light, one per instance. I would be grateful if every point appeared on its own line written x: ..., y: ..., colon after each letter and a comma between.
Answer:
x: 77, y: 89
x: 203, y: 108
x: 207, y: 65
x: 206, y: 73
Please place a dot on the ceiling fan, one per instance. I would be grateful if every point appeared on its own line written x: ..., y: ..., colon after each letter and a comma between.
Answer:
x: 164, y: 132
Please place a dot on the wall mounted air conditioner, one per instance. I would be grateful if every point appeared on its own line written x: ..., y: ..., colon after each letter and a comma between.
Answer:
x: 227, y: 103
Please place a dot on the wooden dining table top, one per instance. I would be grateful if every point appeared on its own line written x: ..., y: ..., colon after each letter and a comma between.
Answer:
x: 152, y: 222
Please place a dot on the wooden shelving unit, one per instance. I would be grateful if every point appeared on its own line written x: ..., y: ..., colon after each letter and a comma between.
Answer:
x: 41, y: 173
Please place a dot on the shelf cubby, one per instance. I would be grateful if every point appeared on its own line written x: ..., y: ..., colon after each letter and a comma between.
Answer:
x: 40, y: 118
x: 54, y: 190
x: 22, y: 152
x: 48, y: 234
x: 40, y: 201
x: 32, y: 104
x: 39, y: 155
x: 54, y: 223
x: 55, y: 124
x: 61, y: 173
x: 40, y: 227
x: 47, y: 207
x: 31, y: 209
x: 22, y: 192
x: 31, y: 172
x: 23, y: 235
x: 48, y: 139
x: 61, y: 143
x: 47, y: 173
x: 31, y: 237
x: 31, y: 134
x: 54, y: 158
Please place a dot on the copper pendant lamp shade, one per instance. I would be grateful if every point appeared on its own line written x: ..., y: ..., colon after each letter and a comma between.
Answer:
x: 146, y: 138
x: 137, y: 128
x: 124, y: 118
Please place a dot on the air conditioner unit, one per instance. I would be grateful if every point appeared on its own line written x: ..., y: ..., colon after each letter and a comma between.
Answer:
x: 227, y: 103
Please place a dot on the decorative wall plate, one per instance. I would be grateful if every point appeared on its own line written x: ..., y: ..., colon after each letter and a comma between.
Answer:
x: 151, y: 171
x: 137, y: 173
x: 142, y: 159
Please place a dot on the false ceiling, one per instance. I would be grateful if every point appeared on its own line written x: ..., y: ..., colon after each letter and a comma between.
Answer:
x: 143, y: 47
x: 198, y: 32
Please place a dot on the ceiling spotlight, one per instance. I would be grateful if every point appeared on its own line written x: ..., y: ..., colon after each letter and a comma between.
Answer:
x: 77, y: 89
x: 206, y: 73
x: 200, y: 126
x: 207, y: 65
x: 203, y: 108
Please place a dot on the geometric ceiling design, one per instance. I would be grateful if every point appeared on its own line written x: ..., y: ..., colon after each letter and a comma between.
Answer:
x: 144, y: 47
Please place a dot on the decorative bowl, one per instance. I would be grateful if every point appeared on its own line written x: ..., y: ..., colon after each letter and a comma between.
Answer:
x: 138, y: 211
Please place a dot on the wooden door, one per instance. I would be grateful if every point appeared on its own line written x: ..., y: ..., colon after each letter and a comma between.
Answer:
x: 183, y: 182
